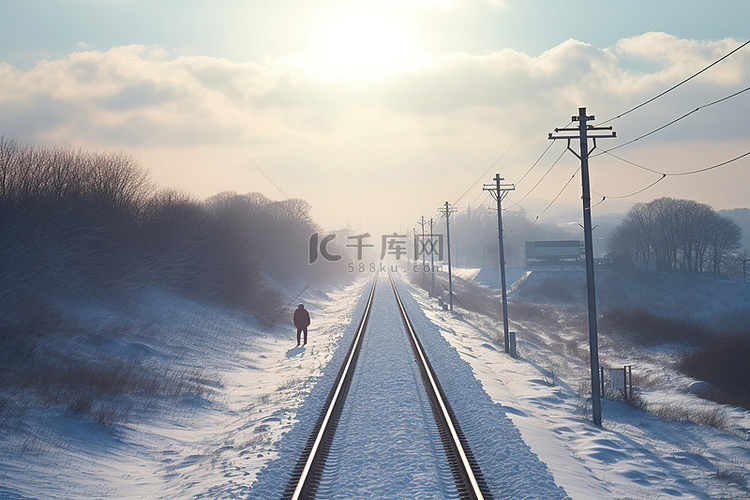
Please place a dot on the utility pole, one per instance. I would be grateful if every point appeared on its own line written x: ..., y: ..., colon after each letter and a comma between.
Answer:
x: 432, y: 259
x: 582, y: 132
x: 414, y: 239
x: 422, y: 223
x: 447, y: 210
x: 500, y: 191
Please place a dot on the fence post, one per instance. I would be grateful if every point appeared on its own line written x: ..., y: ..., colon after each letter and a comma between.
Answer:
x: 629, y: 381
x: 512, y: 338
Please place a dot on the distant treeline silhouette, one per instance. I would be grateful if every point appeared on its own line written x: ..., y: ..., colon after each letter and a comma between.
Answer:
x: 75, y: 224
x: 675, y: 235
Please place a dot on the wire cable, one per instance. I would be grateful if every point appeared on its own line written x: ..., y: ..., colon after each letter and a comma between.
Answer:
x: 475, y: 199
x: 664, y: 175
x: 261, y: 171
x: 706, y: 169
x: 477, y: 226
x: 545, y: 175
x: 676, y: 85
x: 488, y: 169
x: 631, y: 194
x: 633, y: 163
x: 658, y: 129
x: 549, y: 146
x: 688, y: 172
x: 550, y: 203
x: 498, y: 161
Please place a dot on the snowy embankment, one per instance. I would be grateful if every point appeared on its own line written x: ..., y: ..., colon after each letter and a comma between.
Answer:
x: 207, y: 445
x: 634, y: 455
x: 244, y: 429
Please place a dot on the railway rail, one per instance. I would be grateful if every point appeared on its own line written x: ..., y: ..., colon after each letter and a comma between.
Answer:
x: 306, y: 475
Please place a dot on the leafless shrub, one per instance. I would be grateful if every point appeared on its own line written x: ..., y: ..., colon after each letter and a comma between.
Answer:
x: 636, y: 400
x: 648, y: 381
x: 264, y: 399
x: 733, y: 475
x: 723, y: 364
x: 648, y: 329
x: 576, y: 348
x: 91, y: 388
x: 535, y: 313
x: 552, y: 374
x: 553, y: 291
x: 679, y: 412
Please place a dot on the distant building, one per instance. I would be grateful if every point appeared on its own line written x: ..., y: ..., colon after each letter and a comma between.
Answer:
x: 554, y: 253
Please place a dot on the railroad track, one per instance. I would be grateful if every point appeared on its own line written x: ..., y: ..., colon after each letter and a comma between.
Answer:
x: 307, y: 473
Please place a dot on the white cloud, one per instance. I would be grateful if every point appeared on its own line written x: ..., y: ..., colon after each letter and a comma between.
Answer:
x: 449, y: 117
x: 144, y: 81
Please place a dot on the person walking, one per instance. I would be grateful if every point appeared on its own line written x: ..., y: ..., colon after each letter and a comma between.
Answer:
x: 301, y: 321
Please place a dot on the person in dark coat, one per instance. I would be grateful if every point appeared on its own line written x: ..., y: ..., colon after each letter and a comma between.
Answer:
x: 301, y: 321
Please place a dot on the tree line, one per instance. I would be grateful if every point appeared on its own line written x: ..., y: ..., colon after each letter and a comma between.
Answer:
x: 668, y: 234
x: 81, y: 224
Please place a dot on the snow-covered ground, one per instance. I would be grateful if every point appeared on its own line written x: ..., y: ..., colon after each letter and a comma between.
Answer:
x: 209, y: 446
x: 387, y: 445
x: 634, y: 455
x: 245, y: 431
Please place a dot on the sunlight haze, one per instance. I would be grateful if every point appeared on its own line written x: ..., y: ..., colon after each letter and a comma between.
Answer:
x: 378, y: 112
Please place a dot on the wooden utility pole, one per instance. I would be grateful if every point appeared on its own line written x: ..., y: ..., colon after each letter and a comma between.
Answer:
x: 422, y: 223
x: 500, y: 191
x: 582, y: 132
x: 432, y: 259
x: 447, y: 210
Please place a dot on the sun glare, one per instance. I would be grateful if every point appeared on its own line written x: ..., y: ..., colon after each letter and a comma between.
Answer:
x: 366, y: 43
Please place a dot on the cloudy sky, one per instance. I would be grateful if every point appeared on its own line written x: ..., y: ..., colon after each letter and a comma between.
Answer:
x: 378, y: 112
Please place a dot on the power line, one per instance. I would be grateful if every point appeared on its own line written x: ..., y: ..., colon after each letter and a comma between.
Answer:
x: 706, y: 169
x: 475, y: 199
x: 549, y: 146
x: 631, y: 194
x: 676, y: 85
x: 688, y: 172
x: 551, y: 203
x: 261, y: 171
x: 489, y: 168
x: 498, y: 161
x: 545, y: 175
x: 664, y: 175
x: 633, y: 163
x: 658, y: 129
x: 250, y: 160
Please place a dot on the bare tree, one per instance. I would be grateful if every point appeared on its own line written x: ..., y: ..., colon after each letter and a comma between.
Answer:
x: 680, y: 235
